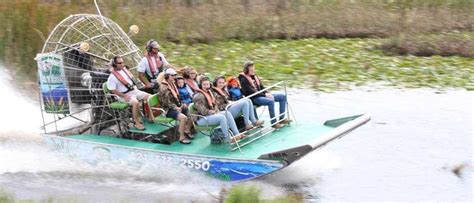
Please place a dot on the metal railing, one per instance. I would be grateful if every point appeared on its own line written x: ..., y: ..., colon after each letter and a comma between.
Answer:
x: 262, y: 131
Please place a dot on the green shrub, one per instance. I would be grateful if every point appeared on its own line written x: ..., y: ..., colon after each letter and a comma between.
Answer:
x: 241, y: 194
x: 446, y: 44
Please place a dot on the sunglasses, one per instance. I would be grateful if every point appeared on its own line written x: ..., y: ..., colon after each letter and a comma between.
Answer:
x: 119, y: 62
x: 174, y: 75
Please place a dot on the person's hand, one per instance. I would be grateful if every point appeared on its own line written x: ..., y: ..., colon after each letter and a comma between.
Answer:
x: 178, y: 109
x: 268, y: 95
x: 126, y: 97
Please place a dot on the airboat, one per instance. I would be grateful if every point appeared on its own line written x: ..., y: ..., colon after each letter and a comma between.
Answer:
x: 82, y: 119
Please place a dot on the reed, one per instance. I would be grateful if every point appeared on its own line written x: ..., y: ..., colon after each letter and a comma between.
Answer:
x: 27, y: 23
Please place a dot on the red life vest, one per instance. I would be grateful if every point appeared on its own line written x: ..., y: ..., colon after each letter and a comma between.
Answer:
x: 252, y: 81
x: 222, y: 92
x: 122, y: 79
x: 159, y: 63
x: 191, y: 84
x: 209, y: 97
x: 172, y: 88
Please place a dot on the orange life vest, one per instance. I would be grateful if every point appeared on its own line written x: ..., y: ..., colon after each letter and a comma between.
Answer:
x: 122, y: 79
x: 191, y: 84
x: 159, y: 63
x: 252, y: 81
x: 209, y: 97
x: 222, y: 92
x: 172, y: 88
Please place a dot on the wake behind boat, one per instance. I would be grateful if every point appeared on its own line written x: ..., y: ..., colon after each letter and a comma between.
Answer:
x: 81, y: 116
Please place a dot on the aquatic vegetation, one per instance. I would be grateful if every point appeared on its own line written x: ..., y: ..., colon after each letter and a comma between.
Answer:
x: 325, y: 64
x: 203, y: 21
x: 445, y: 44
x: 250, y: 194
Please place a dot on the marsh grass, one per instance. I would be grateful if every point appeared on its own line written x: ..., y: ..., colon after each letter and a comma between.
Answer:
x: 214, y: 26
x: 446, y: 44
x: 325, y: 64
x: 252, y: 194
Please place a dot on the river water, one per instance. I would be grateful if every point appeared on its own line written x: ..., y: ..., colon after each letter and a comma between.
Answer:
x: 405, y: 153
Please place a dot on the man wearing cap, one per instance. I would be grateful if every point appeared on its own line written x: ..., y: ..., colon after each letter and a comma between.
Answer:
x: 251, y: 84
x: 120, y: 83
x: 151, y: 65
x: 169, y: 101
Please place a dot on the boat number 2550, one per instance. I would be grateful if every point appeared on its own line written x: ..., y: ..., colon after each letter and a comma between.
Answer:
x: 197, y: 164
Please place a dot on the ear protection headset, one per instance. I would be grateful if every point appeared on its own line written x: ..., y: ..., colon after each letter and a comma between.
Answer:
x: 217, y: 79
x: 148, y: 45
x: 247, y: 66
x: 114, y: 61
x: 203, y: 79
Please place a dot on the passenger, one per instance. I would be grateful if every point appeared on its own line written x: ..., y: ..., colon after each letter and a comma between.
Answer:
x: 205, y: 104
x: 251, y: 84
x: 233, y: 86
x: 190, y: 75
x: 120, y: 82
x: 168, y: 94
x: 151, y: 66
x: 184, y: 95
x: 243, y: 107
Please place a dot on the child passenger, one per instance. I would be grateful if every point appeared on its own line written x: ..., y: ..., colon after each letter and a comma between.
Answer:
x: 184, y: 94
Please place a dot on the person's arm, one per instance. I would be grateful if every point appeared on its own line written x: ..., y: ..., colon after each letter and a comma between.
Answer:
x: 246, y: 87
x: 166, y: 98
x: 116, y: 92
x: 265, y: 93
x: 145, y: 81
x: 112, y: 86
x: 142, y: 67
x: 189, y: 90
x: 200, y: 105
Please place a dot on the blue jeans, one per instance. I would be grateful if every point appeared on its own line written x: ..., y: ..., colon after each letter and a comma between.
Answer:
x: 265, y: 101
x: 220, y: 118
x: 244, y: 107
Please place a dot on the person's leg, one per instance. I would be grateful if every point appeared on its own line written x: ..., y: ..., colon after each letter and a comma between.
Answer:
x: 172, y: 113
x: 240, y: 108
x: 251, y: 111
x: 214, y: 120
x: 281, y: 99
x: 189, y: 123
x: 264, y: 101
x: 252, y: 116
x: 182, y: 125
x: 135, y: 108
x: 142, y: 96
x: 230, y: 122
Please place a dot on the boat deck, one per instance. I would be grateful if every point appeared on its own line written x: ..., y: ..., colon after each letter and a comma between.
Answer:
x: 290, y: 136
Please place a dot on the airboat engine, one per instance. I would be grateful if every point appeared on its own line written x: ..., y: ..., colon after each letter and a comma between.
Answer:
x: 74, y: 65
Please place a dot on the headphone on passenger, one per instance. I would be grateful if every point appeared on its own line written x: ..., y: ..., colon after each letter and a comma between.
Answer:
x: 114, y: 61
x: 247, y: 66
x: 148, y: 45
x: 203, y: 79
x: 217, y: 79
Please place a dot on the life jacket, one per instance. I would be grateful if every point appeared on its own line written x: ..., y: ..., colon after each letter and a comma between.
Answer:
x: 222, y: 92
x: 211, y: 100
x: 254, y: 83
x: 191, y: 84
x: 122, y: 79
x: 172, y: 88
x: 184, y: 95
x: 235, y: 93
x: 159, y: 63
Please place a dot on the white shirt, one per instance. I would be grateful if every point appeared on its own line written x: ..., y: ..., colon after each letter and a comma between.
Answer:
x: 144, y: 67
x: 114, y: 84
